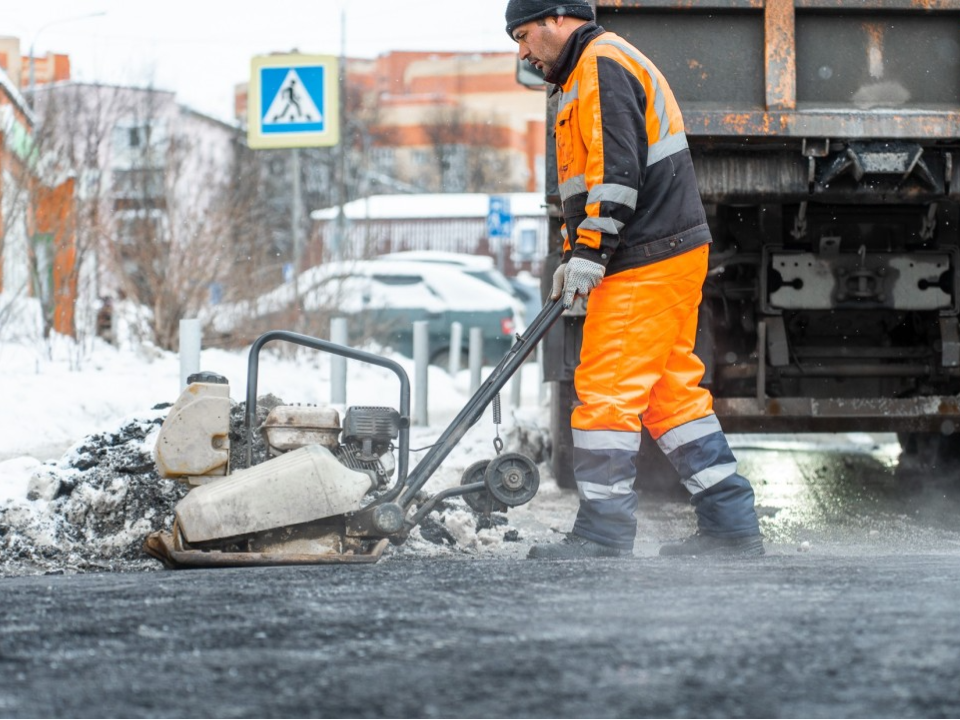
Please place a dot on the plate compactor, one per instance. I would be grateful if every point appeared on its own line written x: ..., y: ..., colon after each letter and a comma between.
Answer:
x: 325, y: 494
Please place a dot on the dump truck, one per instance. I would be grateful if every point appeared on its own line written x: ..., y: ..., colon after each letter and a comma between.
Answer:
x: 826, y: 140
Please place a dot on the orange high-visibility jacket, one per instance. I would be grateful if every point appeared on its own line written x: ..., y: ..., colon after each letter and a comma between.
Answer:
x: 626, y: 176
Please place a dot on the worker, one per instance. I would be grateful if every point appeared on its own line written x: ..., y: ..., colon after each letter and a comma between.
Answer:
x: 635, y: 248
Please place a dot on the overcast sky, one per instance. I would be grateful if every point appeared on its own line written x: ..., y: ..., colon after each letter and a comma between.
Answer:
x: 201, y: 48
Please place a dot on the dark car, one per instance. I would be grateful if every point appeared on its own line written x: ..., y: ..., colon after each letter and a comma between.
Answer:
x: 382, y: 299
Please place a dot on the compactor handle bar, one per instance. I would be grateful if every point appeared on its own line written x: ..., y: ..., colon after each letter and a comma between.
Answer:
x: 468, y: 416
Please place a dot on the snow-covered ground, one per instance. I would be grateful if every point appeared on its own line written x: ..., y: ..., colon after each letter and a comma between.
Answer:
x: 79, y: 424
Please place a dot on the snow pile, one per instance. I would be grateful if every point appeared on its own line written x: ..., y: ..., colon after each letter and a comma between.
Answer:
x: 92, y: 509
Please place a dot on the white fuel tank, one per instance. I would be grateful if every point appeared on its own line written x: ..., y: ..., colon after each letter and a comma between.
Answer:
x: 194, y: 441
x: 297, y: 487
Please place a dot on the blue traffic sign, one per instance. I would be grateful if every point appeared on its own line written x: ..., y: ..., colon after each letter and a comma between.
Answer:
x: 287, y: 99
x: 499, y: 219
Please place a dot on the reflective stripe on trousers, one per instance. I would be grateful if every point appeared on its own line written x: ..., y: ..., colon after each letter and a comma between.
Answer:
x: 722, y: 498
x: 604, y: 471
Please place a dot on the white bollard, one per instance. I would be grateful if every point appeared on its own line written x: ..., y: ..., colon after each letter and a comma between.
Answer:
x: 476, y: 358
x: 515, y: 387
x: 421, y: 364
x: 338, y: 363
x: 456, y: 342
x: 190, y: 339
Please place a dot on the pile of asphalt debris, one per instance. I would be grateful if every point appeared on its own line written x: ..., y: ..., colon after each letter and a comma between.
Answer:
x: 92, y: 509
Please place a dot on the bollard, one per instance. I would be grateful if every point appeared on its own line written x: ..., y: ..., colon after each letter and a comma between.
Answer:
x: 476, y: 358
x: 456, y: 342
x: 421, y: 363
x: 338, y: 363
x: 190, y: 337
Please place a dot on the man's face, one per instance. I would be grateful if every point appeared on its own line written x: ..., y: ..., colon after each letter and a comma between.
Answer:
x: 541, y: 42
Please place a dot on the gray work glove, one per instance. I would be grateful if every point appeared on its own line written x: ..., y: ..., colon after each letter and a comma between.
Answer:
x: 577, y: 277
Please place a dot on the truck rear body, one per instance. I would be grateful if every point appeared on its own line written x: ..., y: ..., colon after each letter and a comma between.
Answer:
x: 826, y: 140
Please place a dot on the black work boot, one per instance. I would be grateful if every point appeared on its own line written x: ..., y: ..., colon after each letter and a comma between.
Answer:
x: 711, y: 545
x: 574, y: 547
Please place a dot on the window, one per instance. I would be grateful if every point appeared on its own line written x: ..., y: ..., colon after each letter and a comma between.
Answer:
x: 138, y: 183
x: 383, y: 159
x: 138, y: 143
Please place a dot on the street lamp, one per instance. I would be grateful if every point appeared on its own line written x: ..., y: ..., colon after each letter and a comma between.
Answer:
x: 44, y: 27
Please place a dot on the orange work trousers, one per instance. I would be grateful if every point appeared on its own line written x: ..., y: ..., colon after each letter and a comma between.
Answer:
x: 637, y: 364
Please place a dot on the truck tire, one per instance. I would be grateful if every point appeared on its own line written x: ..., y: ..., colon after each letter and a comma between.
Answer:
x: 655, y: 474
x: 927, y: 456
x: 562, y: 400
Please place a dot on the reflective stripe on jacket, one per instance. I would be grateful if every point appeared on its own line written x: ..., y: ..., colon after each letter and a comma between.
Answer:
x: 626, y: 176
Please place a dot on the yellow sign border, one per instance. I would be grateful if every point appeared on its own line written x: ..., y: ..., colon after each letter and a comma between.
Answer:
x: 257, y: 139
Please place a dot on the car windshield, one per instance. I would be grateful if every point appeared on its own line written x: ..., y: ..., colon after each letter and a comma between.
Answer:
x: 480, y: 267
x: 492, y: 277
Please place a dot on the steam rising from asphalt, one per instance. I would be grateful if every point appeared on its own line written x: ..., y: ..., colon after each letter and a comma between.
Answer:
x: 90, y: 510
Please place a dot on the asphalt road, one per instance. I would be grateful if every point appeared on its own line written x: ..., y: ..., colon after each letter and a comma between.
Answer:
x: 796, y: 635
x: 853, y: 613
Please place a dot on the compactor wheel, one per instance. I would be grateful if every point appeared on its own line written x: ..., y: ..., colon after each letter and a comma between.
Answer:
x: 513, y: 479
x: 482, y: 501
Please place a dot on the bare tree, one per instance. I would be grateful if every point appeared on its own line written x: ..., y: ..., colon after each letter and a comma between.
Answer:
x: 14, y: 211
x: 67, y: 215
x: 172, y: 215
x: 466, y: 148
x: 487, y: 165
x: 170, y: 219
x: 152, y: 197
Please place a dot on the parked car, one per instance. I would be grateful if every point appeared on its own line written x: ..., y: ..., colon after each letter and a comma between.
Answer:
x: 527, y: 288
x: 481, y: 267
x: 382, y: 300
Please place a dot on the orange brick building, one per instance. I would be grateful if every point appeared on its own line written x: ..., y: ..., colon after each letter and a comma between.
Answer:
x: 37, y: 234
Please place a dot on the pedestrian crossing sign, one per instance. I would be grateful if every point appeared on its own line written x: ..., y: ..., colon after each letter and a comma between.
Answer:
x: 293, y: 101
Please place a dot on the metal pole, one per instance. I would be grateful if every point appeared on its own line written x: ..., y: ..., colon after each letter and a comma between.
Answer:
x: 341, y: 146
x: 456, y: 343
x: 476, y: 358
x: 515, y: 388
x: 543, y: 383
x: 32, y: 81
x: 296, y: 211
x: 421, y: 363
x: 338, y: 363
x: 32, y: 76
x: 471, y: 412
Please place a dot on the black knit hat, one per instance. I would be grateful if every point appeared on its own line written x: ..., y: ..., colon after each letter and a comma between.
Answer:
x: 523, y: 11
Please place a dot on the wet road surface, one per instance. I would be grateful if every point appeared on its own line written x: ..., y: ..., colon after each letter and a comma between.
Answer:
x: 853, y: 613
